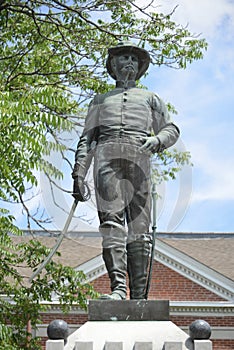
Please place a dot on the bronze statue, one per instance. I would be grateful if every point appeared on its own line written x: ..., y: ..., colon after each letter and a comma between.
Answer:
x: 123, y: 128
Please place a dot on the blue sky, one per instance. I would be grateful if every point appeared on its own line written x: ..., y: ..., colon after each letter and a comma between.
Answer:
x: 202, y: 197
x: 203, y: 95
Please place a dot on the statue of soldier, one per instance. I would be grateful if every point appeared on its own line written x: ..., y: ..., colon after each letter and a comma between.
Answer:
x: 123, y: 128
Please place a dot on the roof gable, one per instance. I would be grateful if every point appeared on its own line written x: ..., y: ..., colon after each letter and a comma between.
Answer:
x: 179, y: 262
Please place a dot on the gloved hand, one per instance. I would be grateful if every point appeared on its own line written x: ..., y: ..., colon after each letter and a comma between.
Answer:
x: 152, y: 144
x: 79, y: 189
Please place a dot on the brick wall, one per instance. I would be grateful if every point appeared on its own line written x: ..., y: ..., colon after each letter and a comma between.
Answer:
x: 167, y: 284
x: 221, y: 344
x: 224, y: 321
x: 70, y: 318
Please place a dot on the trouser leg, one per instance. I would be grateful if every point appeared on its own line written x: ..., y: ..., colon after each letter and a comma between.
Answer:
x: 138, y: 253
x: 111, y: 207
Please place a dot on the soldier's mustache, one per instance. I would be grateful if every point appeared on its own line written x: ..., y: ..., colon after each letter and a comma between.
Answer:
x: 129, y: 66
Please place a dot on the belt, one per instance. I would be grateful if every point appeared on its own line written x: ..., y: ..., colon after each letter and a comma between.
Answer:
x: 137, y: 141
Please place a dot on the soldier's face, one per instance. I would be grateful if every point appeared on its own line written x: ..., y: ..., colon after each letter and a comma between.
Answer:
x: 126, y: 66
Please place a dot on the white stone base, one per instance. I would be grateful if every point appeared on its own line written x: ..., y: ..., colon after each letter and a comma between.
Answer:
x: 55, y: 345
x: 202, y: 345
x: 128, y: 335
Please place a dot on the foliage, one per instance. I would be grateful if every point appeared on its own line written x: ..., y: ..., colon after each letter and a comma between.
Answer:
x: 20, y: 300
x: 52, y: 61
x: 167, y: 164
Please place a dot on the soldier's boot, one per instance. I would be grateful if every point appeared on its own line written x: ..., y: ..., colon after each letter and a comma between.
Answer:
x: 116, y: 264
x: 138, y: 253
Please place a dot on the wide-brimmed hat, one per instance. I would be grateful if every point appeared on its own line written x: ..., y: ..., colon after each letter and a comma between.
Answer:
x: 129, y: 47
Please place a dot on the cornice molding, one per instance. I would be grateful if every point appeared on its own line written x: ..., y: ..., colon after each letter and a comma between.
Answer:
x: 93, y: 268
x: 177, y: 308
x: 201, y: 309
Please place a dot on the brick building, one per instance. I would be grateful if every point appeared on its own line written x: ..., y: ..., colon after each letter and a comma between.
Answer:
x: 193, y: 271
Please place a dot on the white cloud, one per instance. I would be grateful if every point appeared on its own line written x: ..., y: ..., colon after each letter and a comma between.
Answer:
x: 203, y: 16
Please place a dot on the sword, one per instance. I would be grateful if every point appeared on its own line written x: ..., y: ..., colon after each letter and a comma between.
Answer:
x: 59, y: 241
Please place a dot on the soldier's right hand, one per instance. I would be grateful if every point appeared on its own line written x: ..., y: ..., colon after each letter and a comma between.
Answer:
x: 79, y: 189
x: 152, y: 144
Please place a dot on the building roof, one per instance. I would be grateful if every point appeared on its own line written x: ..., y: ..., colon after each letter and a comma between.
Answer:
x: 215, y: 253
x: 215, y: 250
x: 207, y: 259
x: 74, y: 251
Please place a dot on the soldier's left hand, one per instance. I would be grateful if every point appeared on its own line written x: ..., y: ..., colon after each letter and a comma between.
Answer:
x: 152, y: 144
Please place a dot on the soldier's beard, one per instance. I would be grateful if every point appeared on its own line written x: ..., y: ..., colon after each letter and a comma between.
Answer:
x: 128, y: 73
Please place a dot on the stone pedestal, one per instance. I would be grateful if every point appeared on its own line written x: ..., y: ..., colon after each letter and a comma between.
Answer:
x: 128, y: 335
x: 128, y: 310
x: 130, y: 325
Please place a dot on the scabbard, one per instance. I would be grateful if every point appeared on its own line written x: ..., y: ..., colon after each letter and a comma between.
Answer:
x: 154, y: 228
x: 58, y: 242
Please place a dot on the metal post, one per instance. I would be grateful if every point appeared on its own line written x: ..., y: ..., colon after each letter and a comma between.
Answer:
x: 154, y: 229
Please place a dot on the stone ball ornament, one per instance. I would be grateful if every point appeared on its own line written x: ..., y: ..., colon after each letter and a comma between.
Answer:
x: 58, y: 329
x: 199, y: 329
